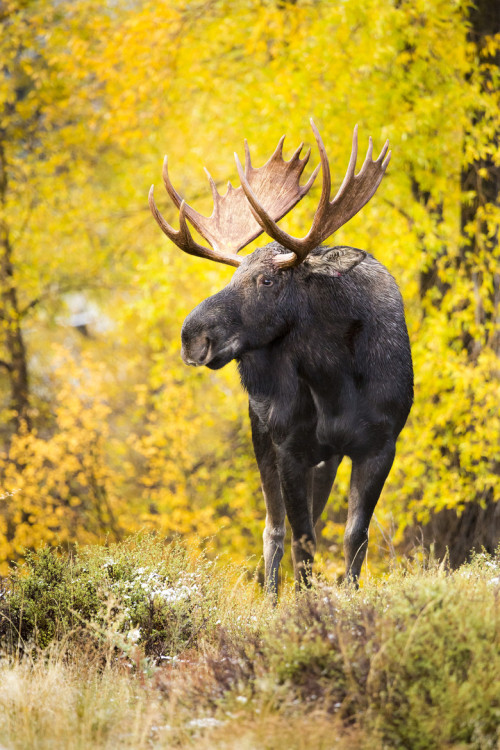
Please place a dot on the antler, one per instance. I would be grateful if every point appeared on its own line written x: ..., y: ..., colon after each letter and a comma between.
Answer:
x: 232, y: 224
x: 353, y: 194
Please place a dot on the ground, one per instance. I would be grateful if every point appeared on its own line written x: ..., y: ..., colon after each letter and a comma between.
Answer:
x: 147, y: 644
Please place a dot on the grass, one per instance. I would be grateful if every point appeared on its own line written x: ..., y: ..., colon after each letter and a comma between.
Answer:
x: 145, y: 645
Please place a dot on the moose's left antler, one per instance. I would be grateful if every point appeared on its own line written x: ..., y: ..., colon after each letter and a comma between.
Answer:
x: 353, y: 194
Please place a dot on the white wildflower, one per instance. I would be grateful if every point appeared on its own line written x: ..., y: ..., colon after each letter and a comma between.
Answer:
x: 134, y: 635
x: 204, y: 723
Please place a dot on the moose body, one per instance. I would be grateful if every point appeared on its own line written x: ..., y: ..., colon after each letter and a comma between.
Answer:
x: 322, y: 348
x: 326, y: 362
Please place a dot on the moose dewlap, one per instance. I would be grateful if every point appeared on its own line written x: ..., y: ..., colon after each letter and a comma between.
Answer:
x: 320, y: 339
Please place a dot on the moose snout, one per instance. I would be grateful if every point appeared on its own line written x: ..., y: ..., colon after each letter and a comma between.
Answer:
x: 196, y: 351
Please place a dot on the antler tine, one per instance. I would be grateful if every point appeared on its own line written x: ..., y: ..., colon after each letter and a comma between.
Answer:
x: 183, y: 237
x: 387, y: 159
x: 311, y: 179
x: 302, y: 162
x: 369, y: 153
x: 352, y: 163
x: 277, y: 154
x: 174, y: 195
x: 324, y: 200
x: 354, y: 192
x: 213, y: 187
x: 248, y: 161
x: 171, y: 233
x: 296, y: 154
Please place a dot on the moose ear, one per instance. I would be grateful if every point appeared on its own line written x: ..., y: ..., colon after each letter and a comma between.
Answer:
x: 335, y: 261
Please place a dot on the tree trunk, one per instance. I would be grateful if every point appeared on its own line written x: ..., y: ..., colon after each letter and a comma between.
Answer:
x: 477, y: 526
x: 483, y: 178
x: 10, y: 319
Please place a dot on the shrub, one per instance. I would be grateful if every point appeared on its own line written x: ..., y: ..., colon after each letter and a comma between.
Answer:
x: 141, y: 592
x: 411, y: 661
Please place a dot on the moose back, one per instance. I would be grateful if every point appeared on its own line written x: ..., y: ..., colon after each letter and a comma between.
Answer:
x: 321, y: 343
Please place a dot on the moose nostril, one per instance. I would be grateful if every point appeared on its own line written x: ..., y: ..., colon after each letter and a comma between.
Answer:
x: 196, y: 352
x: 202, y: 354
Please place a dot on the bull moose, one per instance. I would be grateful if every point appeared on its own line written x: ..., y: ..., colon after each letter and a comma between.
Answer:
x: 320, y: 339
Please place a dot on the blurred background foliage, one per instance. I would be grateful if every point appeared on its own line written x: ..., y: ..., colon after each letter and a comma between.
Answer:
x: 104, y: 431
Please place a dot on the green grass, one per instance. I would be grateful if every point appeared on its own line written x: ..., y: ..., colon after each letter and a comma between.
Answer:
x: 145, y: 644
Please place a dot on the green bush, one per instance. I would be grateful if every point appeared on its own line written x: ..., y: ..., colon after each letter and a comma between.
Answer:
x: 142, y: 592
x: 414, y: 660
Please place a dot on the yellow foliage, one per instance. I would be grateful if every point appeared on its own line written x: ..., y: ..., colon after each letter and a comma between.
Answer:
x: 122, y: 435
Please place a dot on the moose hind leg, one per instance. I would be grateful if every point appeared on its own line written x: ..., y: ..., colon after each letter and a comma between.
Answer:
x: 367, y: 480
x: 324, y: 477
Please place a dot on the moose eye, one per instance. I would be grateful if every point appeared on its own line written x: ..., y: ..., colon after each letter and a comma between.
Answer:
x: 265, y: 281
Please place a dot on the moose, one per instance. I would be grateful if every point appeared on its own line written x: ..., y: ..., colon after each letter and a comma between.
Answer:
x: 320, y: 339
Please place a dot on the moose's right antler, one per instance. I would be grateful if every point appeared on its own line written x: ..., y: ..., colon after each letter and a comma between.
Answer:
x: 232, y: 224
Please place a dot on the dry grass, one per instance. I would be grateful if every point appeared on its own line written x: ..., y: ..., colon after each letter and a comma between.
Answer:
x: 409, y: 662
x: 55, y: 705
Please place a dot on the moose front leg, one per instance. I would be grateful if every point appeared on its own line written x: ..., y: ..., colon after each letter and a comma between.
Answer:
x: 297, y: 487
x: 274, y: 531
x: 367, y: 480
